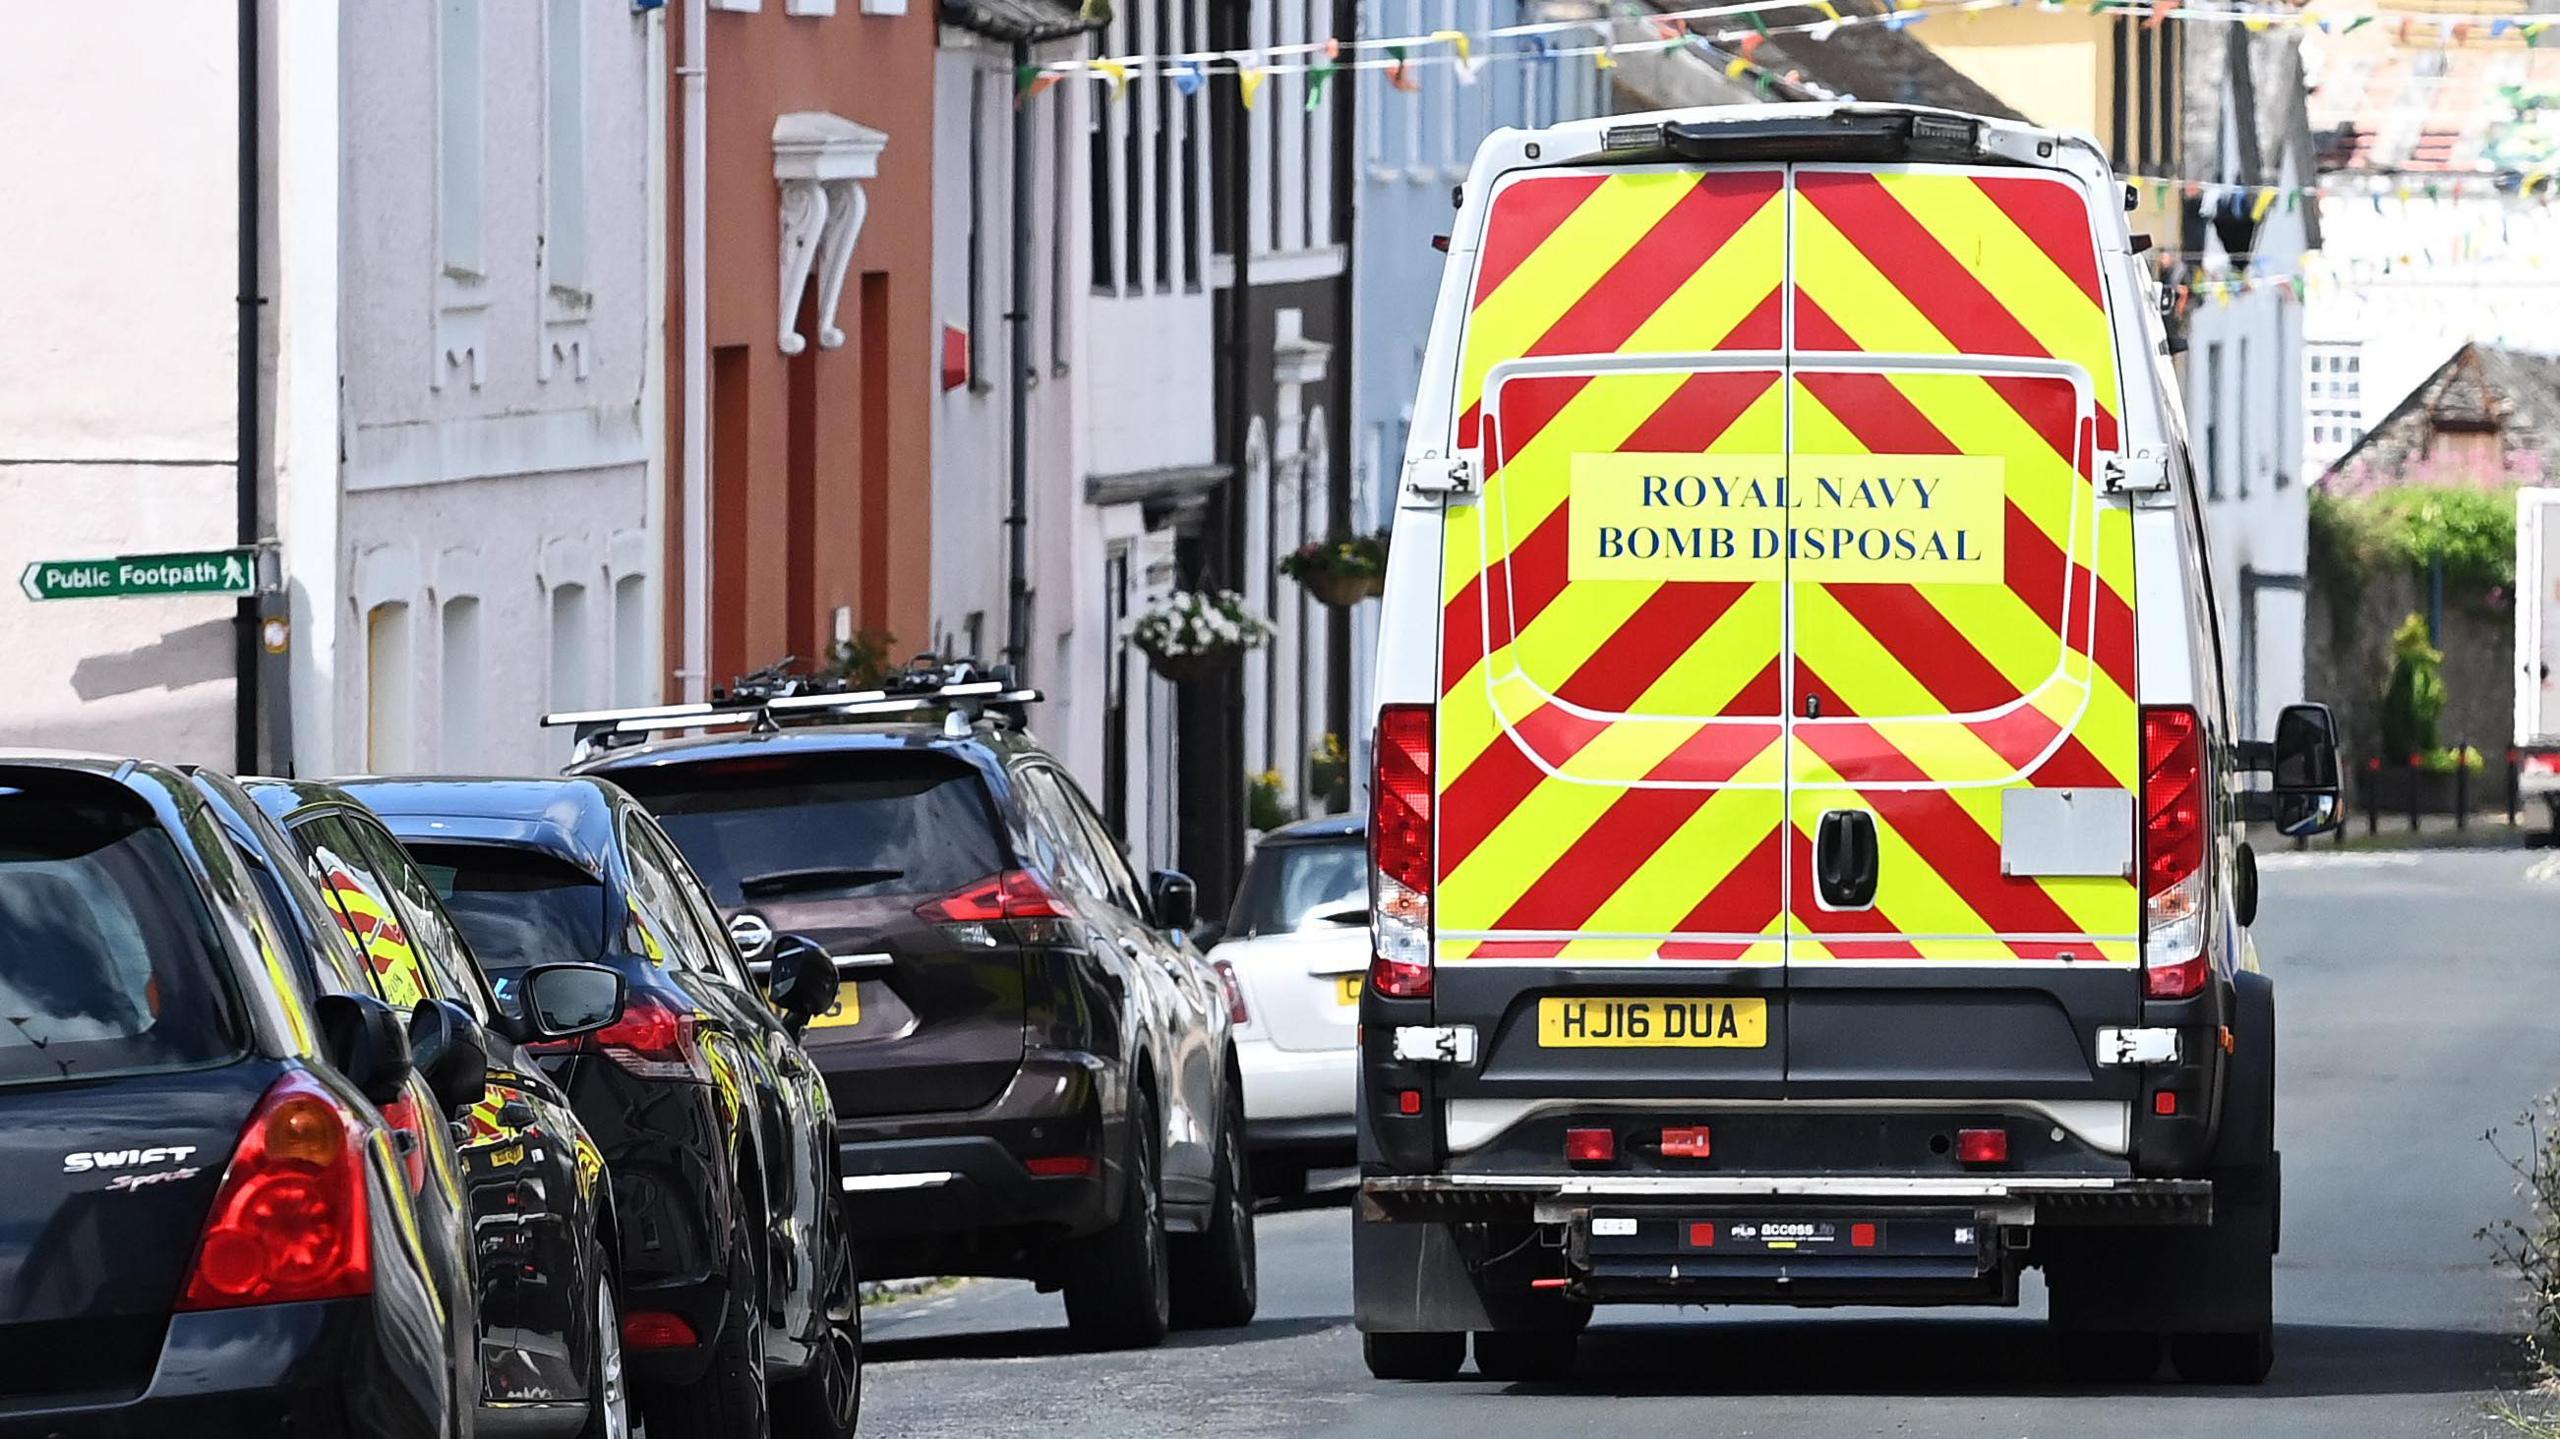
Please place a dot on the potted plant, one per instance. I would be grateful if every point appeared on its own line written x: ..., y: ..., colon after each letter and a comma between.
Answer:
x: 1267, y: 802
x: 1191, y: 635
x: 1329, y: 773
x: 1342, y: 571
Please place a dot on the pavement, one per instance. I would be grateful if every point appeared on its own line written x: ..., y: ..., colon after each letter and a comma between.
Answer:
x: 2419, y: 1000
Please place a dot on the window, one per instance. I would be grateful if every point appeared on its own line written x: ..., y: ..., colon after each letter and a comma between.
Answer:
x: 458, y: 733
x: 1286, y: 884
x: 389, y: 709
x: 2213, y: 421
x: 519, y: 908
x: 336, y: 858
x: 564, y: 175
x: 569, y: 647
x: 459, y: 153
x: 663, y: 930
x: 633, y: 683
x: 2247, y: 459
x: 429, y: 929
x: 1147, y: 155
x: 1076, y: 864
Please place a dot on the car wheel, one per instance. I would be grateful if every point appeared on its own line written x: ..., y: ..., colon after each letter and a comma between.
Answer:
x: 1119, y: 1286
x: 608, y: 1392
x: 1214, y: 1279
x: 729, y: 1400
x: 1526, y: 1355
x: 1419, y: 1358
x: 826, y: 1402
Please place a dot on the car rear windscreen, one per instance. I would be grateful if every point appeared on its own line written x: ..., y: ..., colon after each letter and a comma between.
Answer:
x: 108, y: 961
x: 517, y: 907
x: 826, y: 826
x: 1287, y: 883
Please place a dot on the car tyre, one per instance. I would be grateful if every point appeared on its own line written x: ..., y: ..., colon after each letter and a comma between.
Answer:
x: 2241, y: 1358
x: 1414, y: 1358
x: 1119, y: 1286
x: 1276, y: 1178
x: 608, y: 1387
x: 826, y: 1402
x: 730, y: 1398
x: 1214, y: 1277
x: 2108, y: 1356
x: 1526, y: 1356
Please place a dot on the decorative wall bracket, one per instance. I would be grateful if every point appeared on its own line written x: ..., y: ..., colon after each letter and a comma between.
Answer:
x: 820, y: 160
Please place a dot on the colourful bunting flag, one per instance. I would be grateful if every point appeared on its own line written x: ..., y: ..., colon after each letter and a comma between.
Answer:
x: 1400, y: 71
x: 1737, y: 69
x: 1456, y: 40
x: 1024, y: 77
x: 1117, y: 73
x: 1249, y: 80
x: 1319, y: 76
x: 2266, y: 201
x: 1187, y: 78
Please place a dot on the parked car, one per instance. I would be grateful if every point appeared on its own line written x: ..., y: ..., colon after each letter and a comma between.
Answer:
x: 1032, y: 1066
x: 539, y: 1213
x: 211, y: 1223
x: 737, y: 1267
x: 1296, y: 948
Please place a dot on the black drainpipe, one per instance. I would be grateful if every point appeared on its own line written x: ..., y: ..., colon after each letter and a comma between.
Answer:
x: 1017, y: 614
x: 245, y: 640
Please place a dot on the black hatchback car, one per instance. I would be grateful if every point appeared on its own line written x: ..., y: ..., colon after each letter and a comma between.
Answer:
x: 532, y: 1181
x: 737, y: 1270
x: 1032, y: 1065
x: 208, y: 1228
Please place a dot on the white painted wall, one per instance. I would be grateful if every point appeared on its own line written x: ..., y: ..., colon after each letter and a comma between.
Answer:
x: 117, y: 363
x: 498, y: 429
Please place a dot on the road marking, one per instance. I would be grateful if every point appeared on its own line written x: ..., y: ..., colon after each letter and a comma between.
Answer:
x: 2333, y: 859
x: 2545, y: 870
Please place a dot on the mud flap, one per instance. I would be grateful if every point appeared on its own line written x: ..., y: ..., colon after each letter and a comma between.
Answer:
x: 1411, y: 1278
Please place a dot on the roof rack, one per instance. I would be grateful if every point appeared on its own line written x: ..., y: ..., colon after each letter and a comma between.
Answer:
x: 963, y: 692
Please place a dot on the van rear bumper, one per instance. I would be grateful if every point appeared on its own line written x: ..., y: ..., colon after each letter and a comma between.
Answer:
x: 1565, y: 1198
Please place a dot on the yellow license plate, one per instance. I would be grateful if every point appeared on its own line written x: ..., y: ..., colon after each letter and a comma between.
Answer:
x: 846, y: 1014
x: 1346, y: 987
x: 1631, y: 1022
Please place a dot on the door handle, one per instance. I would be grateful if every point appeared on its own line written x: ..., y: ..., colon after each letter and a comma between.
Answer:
x: 1844, y: 859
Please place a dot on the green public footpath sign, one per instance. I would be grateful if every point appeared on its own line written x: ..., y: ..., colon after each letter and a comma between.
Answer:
x: 187, y: 572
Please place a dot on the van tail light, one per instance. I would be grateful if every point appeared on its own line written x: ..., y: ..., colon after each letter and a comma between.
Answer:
x: 1400, y: 848
x: 1982, y: 1146
x: 1013, y: 905
x: 1233, y: 988
x: 655, y: 1040
x: 293, y: 1219
x: 2177, y: 815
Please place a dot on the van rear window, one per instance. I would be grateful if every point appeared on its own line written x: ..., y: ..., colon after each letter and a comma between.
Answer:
x: 108, y: 964
x: 826, y: 826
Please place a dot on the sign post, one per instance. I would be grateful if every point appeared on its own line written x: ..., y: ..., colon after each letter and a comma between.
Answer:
x: 186, y: 572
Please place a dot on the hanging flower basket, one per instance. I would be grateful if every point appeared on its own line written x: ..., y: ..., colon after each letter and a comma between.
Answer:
x: 1340, y: 572
x: 1189, y: 635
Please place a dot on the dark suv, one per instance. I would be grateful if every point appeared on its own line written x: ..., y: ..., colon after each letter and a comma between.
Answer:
x: 1032, y: 1066
x: 736, y: 1268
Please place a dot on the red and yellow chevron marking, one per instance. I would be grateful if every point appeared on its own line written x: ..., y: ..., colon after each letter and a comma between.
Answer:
x: 1619, y: 778
x: 376, y: 931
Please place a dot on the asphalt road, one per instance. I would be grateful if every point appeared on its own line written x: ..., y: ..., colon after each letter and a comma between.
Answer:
x: 2419, y: 1003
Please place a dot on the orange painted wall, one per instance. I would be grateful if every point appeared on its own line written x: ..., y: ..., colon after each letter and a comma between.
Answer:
x: 822, y: 500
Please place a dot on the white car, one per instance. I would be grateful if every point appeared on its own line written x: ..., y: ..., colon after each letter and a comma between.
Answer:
x: 1296, y: 945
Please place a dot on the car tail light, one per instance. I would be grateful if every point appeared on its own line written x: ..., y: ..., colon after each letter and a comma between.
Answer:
x: 655, y: 1040
x: 1687, y: 1143
x: 1982, y: 1146
x: 1237, y: 1014
x: 657, y: 1329
x: 1400, y: 846
x: 1016, y: 899
x: 292, y: 1220
x: 1590, y: 1146
x: 1060, y: 1166
x: 2177, y: 815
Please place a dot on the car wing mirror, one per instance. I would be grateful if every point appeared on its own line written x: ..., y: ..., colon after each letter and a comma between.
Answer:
x: 366, y: 1041
x: 563, y: 1001
x: 803, y: 982
x: 1175, y: 898
x: 451, y: 1052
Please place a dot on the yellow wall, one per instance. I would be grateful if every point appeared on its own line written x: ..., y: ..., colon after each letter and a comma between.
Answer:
x: 2054, y: 68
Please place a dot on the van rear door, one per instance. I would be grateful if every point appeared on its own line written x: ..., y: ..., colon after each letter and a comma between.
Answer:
x: 1963, y: 760
x: 1786, y: 742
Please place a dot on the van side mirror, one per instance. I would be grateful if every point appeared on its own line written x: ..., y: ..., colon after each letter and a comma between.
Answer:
x: 365, y: 1040
x: 1175, y: 898
x: 2302, y: 762
x: 803, y: 982
x: 451, y: 1052
x: 563, y: 1001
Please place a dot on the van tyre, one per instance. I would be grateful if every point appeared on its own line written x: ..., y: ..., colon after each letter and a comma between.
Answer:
x: 1119, y: 1285
x: 729, y: 1399
x: 1414, y: 1358
x: 1214, y: 1275
x: 826, y: 1402
x: 2107, y: 1356
x: 2224, y: 1358
x: 1526, y: 1356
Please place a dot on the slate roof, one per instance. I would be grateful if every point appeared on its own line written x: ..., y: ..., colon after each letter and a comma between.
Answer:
x: 2479, y: 390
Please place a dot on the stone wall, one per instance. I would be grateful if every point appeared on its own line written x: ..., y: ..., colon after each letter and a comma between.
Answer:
x: 2348, y: 661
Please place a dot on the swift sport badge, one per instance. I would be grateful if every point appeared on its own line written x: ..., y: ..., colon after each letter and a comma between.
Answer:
x: 87, y: 1160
